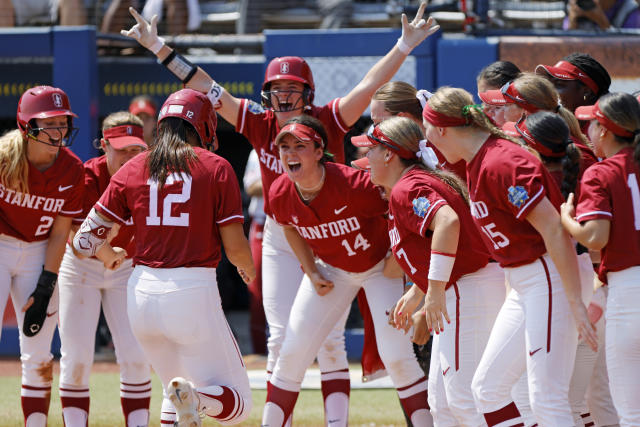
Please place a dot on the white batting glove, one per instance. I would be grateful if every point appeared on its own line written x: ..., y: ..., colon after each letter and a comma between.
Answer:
x: 144, y: 32
x: 414, y: 32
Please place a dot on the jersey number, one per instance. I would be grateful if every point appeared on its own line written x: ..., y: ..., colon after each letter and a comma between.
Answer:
x: 360, y: 242
x: 45, y: 225
x: 169, y: 199
x: 402, y: 254
x: 498, y: 239
x: 632, y: 182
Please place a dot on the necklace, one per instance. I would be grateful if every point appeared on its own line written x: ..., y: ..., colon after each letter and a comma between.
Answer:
x: 312, y: 190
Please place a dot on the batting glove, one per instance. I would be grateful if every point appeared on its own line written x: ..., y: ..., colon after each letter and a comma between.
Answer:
x: 37, y: 312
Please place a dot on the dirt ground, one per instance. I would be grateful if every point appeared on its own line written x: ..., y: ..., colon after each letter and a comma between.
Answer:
x: 10, y: 367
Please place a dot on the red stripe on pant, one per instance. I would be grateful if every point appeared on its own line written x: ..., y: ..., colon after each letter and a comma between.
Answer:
x: 546, y: 271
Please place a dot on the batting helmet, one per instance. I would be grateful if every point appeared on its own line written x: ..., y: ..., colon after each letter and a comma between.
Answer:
x: 195, y: 108
x: 41, y: 102
x: 288, y: 68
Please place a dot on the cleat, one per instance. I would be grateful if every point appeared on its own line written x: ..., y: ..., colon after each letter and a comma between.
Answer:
x: 185, y: 399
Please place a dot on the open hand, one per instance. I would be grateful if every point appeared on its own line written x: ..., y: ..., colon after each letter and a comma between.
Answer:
x: 414, y: 32
x: 145, y: 33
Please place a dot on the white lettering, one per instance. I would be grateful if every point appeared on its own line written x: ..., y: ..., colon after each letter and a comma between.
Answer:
x: 271, y: 162
x: 394, y: 237
x: 479, y: 209
x: 48, y: 204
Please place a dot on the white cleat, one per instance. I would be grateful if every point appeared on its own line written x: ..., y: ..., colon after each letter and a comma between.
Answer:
x: 185, y: 399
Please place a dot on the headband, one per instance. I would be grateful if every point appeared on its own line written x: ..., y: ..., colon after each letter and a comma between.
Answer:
x: 441, y: 120
x: 123, y: 130
x: 532, y: 142
x: 303, y: 133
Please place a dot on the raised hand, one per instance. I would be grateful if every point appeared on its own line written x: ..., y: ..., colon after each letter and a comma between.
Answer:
x: 145, y: 33
x: 414, y: 32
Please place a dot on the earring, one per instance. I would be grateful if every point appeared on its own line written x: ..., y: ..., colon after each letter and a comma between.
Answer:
x: 585, y: 97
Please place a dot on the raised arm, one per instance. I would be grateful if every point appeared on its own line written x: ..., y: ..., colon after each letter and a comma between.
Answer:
x: 546, y: 220
x: 194, y: 77
x: 413, y: 33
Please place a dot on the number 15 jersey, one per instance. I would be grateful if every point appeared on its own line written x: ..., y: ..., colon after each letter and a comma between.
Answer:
x: 176, y: 225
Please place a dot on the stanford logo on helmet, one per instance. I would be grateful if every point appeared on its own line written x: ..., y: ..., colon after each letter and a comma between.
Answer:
x: 284, y: 68
x: 57, y: 100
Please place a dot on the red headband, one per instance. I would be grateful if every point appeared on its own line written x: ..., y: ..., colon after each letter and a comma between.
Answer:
x: 522, y: 129
x: 510, y: 92
x: 124, y: 136
x: 302, y: 133
x: 380, y: 138
x: 591, y: 112
x: 441, y: 120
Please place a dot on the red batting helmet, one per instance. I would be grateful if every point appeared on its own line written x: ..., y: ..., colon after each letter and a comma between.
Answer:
x: 41, y: 102
x: 288, y: 68
x: 195, y: 108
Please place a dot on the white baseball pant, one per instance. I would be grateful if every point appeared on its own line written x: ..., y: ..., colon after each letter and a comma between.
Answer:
x: 472, y: 304
x: 623, y: 343
x: 534, y: 331
x: 281, y: 277
x: 85, y: 285
x: 177, y: 317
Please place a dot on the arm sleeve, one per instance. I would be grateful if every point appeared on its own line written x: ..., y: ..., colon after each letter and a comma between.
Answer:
x: 417, y: 208
x: 522, y: 187
x: 594, y: 201
x: 228, y: 206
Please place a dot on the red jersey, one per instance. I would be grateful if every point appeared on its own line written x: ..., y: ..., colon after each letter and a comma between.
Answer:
x: 96, y: 180
x: 459, y: 168
x: 176, y: 225
x: 587, y: 156
x: 260, y: 127
x: 413, y: 204
x: 611, y: 190
x: 56, y: 191
x: 505, y: 183
x: 344, y: 224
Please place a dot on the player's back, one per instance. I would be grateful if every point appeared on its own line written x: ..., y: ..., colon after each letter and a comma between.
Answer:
x: 177, y: 223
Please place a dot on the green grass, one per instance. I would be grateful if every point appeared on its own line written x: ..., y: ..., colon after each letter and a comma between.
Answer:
x: 368, y: 407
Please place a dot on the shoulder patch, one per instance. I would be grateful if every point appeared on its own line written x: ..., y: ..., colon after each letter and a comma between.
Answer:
x: 254, y: 107
x: 420, y: 206
x: 517, y: 195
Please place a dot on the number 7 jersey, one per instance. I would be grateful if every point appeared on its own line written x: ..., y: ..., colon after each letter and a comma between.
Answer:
x: 176, y: 225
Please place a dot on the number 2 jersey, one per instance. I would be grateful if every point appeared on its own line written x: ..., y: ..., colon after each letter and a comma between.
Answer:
x: 176, y: 225
x: 344, y: 224
x: 611, y: 190
x: 506, y: 183
x: 56, y: 191
x: 413, y: 204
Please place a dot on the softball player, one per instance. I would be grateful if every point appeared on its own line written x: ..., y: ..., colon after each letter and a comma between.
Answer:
x: 332, y: 215
x: 428, y: 211
x: 514, y: 204
x: 40, y: 192
x: 86, y: 284
x: 288, y: 91
x: 529, y: 94
x: 494, y: 76
x: 184, y: 202
x: 604, y: 220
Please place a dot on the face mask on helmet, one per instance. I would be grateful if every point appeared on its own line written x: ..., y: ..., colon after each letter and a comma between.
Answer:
x: 62, y: 136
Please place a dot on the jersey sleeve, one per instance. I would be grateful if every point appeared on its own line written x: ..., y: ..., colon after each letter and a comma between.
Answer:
x: 73, y: 204
x: 594, y: 201
x: 368, y: 197
x: 113, y: 202
x: 252, y: 121
x: 336, y: 129
x: 417, y: 207
x: 228, y: 206
x: 522, y: 186
x: 91, y: 194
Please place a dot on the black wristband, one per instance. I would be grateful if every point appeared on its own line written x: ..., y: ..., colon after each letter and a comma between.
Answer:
x: 180, y: 66
x: 47, y: 282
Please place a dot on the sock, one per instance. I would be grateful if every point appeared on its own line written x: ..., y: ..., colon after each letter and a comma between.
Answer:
x: 413, y: 399
x: 336, y: 387
x: 135, y: 400
x: 221, y: 402
x: 167, y: 413
x: 35, y: 405
x: 279, y: 406
x: 75, y: 405
x: 587, y: 420
x: 509, y: 416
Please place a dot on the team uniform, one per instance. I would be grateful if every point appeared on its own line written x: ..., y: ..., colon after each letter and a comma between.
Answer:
x: 173, y: 302
x: 342, y: 227
x: 505, y: 184
x: 474, y: 294
x: 281, y: 272
x: 610, y: 192
x: 25, y: 223
x: 85, y: 285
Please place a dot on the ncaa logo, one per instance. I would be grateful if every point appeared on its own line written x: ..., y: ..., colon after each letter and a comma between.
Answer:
x: 284, y: 68
x: 57, y: 100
